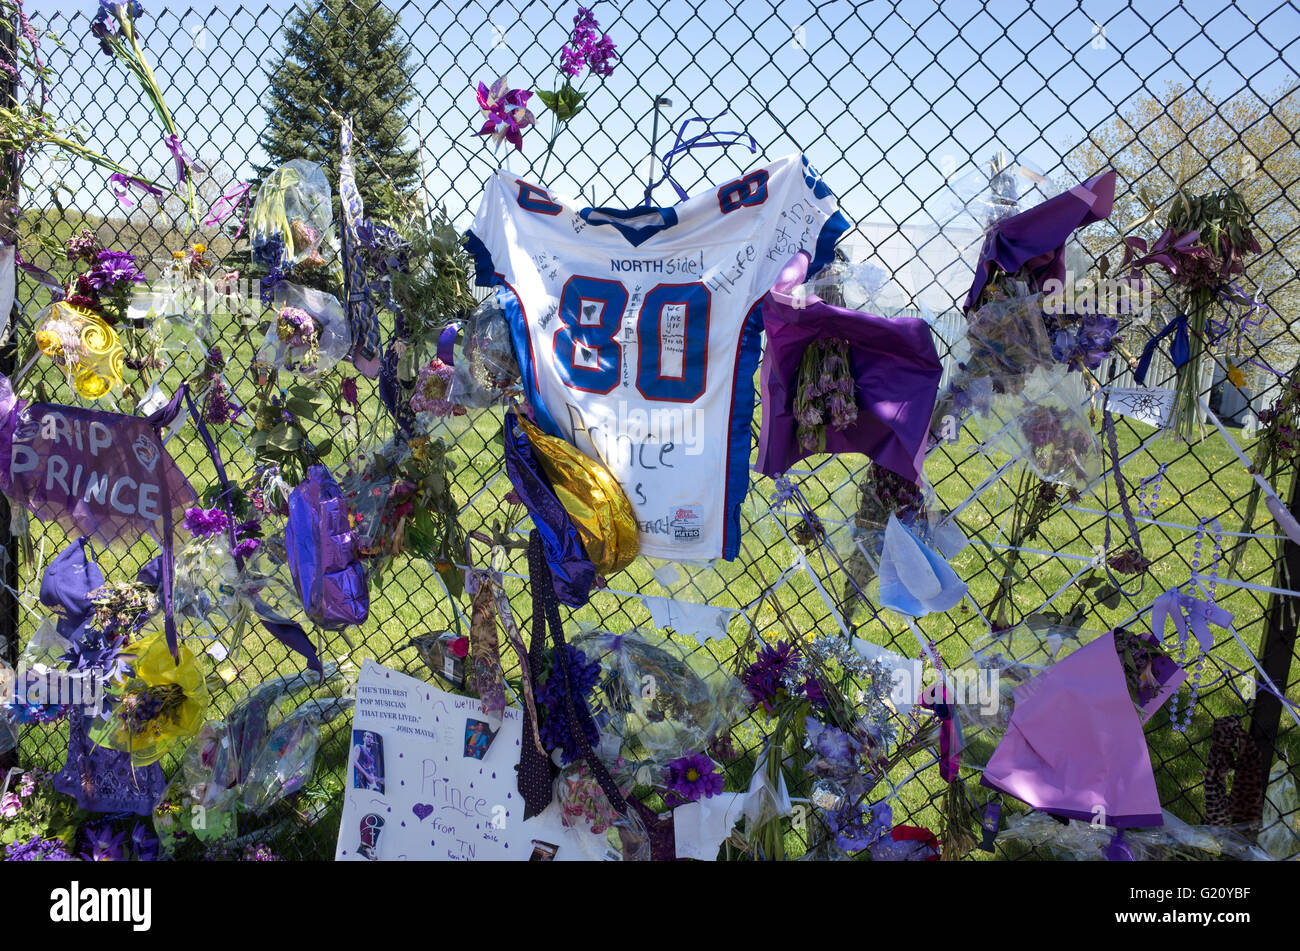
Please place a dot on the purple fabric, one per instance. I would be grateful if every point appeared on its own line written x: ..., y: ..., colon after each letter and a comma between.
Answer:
x: 102, y: 475
x: 895, y: 366
x: 290, y: 634
x: 11, y: 411
x: 102, y: 780
x: 66, y: 586
x: 447, y: 344
x: 1075, y: 743
x: 322, y: 554
x: 572, y: 573
x: 1035, y: 239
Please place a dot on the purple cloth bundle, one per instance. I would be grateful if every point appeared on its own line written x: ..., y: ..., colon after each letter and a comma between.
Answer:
x: 1035, y: 239
x: 894, y: 363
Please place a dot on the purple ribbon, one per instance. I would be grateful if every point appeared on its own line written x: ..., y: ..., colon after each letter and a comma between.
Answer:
x: 447, y: 344
x: 121, y: 186
x: 42, y: 277
x: 1180, y: 349
x: 1188, y: 613
x: 681, y: 147
x: 181, y: 157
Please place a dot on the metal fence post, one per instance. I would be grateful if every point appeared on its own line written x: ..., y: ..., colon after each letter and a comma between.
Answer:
x: 1277, y: 647
x: 8, y: 207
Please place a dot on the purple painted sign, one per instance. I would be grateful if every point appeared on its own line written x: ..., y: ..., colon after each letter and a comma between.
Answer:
x: 103, y: 475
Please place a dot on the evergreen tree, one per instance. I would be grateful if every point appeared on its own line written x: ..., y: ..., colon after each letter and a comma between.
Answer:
x: 349, y: 56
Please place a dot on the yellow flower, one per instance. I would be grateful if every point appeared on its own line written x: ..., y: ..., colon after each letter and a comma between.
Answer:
x: 178, y: 255
x: 1235, y: 376
x: 200, y: 249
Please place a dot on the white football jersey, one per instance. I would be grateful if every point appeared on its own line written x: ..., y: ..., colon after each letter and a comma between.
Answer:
x: 639, y: 332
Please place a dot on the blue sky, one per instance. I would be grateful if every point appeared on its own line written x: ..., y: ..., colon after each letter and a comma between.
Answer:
x: 890, y: 100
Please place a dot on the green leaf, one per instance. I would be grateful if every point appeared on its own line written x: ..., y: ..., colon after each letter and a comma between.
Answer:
x: 1107, y: 596
x: 565, y: 102
x: 304, y: 409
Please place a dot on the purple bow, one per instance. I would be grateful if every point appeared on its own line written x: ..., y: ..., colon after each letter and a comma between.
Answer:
x: 121, y: 186
x: 1188, y: 612
x: 181, y: 157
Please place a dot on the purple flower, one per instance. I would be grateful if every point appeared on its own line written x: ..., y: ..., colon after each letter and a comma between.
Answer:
x: 10, y: 805
x: 102, y: 844
x: 1088, y: 345
x: 218, y: 407
x: 247, y: 547
x: 855, y: 829
x: 1128, y: 562
x: 835, y: 752
x: 554, y: 728
x: 96, y: 650
x: 114, y: 270
x: 203, y: 523
x: 83, y: 247
x: 588, y: 47
x: 431, y: 390
x: 765, y: 678
x: 387, y: 251
x: 1042, y: 427
x: 37, y: 849
x: 693, y: 777
x: 348, y: 389
x: 144, y: 843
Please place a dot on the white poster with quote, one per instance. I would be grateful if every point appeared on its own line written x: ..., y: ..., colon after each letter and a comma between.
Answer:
x: 428, y: 781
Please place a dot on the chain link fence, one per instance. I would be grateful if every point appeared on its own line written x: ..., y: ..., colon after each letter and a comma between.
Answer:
x: 897, y: 104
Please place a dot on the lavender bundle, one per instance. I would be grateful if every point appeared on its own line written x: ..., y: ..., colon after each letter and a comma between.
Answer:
x: 826, y: 387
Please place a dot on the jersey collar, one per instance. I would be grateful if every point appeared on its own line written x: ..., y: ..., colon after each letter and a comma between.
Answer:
x: 637, y: 225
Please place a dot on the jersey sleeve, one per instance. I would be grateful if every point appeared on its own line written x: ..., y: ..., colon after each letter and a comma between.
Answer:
x: 487, y: 239
x: 810, y: 220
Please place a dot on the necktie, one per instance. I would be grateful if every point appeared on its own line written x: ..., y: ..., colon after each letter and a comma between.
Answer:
x: 534, y: 765
x: 546, y: 610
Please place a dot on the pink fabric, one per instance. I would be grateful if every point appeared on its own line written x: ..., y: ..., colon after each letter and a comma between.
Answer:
x: 1075, y: 743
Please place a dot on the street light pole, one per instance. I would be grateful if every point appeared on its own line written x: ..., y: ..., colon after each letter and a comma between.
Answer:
x: 660, y: 101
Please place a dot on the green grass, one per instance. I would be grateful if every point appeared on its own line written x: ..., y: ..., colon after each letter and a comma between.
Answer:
x: 1205, y: 481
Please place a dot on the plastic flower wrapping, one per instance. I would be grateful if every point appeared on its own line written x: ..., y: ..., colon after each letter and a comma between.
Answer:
x: 1079, y: 841
x: 261, y: 753
x: 308, y: 333
x: 485, y: 369
x: 84, y: 346
x: 161, y: 702
x: 662, y: 700
x: 1045, y: 424
x: 292, y: 219
x: 400, y: 498
x: 29, y: 694
x: 603, y: 835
